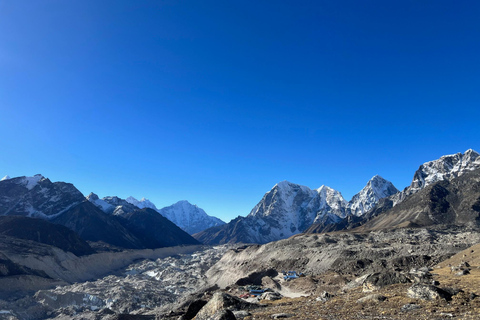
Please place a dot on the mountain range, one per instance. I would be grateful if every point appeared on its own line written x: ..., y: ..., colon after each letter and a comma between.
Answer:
x: 114, y: 221
x: 289, y: 209
x: 286, y: 210
x: 185, y: 215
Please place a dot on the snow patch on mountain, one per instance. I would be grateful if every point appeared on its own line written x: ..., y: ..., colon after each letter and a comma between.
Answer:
x: 31, y: 182
x: 5, y: 178
x: 100, y: 203
x: 142, y: 203
x: 189, y: 217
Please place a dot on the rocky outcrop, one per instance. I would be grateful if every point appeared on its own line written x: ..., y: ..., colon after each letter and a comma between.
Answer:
x: 219, y: 303
x: 427, y: 292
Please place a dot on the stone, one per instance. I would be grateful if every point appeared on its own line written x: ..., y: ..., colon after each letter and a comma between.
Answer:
x: 324, y: 296
x: 194, y: 308
x: 223, y: 315
x: 372, y: 298
x: 462, y: 272
x: 241, y: 314
x: 221, y: 301
x: 410, y: 306
x: 427, y: 292
x: 281, y: 315
x: 379, y: 280
x: 272, y: 296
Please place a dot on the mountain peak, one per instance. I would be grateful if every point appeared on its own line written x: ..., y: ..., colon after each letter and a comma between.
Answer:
x: 5, y: 178
x: 92, y: 197
x: 31, y: 182
x: 143, y: 203
x: 376, y: 189
x: 189, y: 217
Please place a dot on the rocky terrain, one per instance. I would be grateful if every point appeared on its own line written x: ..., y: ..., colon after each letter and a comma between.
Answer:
x: 411, y: 257
x: 155, y: 281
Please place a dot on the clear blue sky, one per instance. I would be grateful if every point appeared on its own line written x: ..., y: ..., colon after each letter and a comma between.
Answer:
x: 217, y: 101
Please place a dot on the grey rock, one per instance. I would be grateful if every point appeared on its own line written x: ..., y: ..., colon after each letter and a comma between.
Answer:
x: 410, y: 306
x: 240, y: 314
x: 462, y: 272
x: 271, y: 296
x: 427, y: 292
x: 281, y: 315
x: 324, y: 296
x: 194, y: 308
x: 372, y: 298
x: 222, y: 315
x: 379, y: 280
x: 221, y: 301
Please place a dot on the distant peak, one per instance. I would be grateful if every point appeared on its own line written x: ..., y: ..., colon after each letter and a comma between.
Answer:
x: 92, y: 197
x: 131, y: 200
x: 5, y: 178
x: 324, y: 187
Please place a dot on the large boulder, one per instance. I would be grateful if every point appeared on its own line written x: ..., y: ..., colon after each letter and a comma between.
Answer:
x: 222, y: 301
x: 379, y: 280
x: 427, y: 292
x: 223, y: 315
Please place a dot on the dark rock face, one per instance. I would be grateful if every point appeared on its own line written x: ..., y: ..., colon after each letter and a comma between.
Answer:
x: 154, y: 230
x: 44, y: 232
x: 94, y: 225
x: 223, y: 315
x: 10, y: 268
x: 37, y: 197
x: 193, y: 309
x: 379, y: 280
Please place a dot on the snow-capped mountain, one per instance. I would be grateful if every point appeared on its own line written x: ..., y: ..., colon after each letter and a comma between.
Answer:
x: 110, y: 220
x: 112, y: 204
x: 100, y: 203
x: 289, y: 209
x: 142, y: 203
x: 37, y: 197
x: 445, y: 168
x: 5, y: 178
x: 189, y: 217
x: 186, y: 216
x: 376, y: 189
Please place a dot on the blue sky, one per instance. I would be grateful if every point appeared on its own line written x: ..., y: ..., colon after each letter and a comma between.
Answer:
x: 217, y: 101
